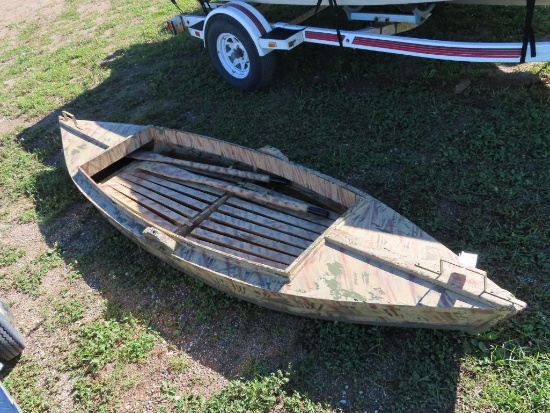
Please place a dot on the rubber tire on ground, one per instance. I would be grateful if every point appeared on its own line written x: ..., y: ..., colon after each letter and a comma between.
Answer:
x: 12, y: 342
x: 261, y: 67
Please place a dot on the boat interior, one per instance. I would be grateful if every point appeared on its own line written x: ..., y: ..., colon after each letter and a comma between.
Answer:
x: 263, y: 222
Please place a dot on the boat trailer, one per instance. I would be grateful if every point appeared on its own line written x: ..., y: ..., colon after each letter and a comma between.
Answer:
x: 240, y: 40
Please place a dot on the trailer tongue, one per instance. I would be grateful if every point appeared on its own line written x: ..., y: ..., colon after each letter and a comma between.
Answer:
x: 240, y: 40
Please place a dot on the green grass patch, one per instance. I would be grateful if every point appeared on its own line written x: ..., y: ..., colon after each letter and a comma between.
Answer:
x: 28, y: 383
x: 10, y: 255
x: 179, y: 364
x: 67, y: 311
x: 107, y: 341
x: 28, y: 279
x: 262, y: 394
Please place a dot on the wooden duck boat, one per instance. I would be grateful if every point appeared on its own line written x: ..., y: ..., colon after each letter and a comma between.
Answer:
x: 256, y: 226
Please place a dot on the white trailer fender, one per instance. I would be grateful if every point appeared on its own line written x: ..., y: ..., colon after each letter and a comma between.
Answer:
x: 251, y: 19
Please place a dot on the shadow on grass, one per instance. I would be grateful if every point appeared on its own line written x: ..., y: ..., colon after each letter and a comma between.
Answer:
x: 391, y: 125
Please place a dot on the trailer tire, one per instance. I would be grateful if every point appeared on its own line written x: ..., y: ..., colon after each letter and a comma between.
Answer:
x: 12, y: 342
x: 235, y: 55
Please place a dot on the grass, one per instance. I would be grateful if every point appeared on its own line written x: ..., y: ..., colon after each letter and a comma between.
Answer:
x: 471, y: 168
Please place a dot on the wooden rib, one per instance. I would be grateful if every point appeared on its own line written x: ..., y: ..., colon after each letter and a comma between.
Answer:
x: 147, y: 215
x: 241, y: 246
x: 251, y: 238
x: 240, y: 254
x: 192, y: 223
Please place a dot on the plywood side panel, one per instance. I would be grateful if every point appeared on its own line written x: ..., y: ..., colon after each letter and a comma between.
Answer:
x: 314, y: 181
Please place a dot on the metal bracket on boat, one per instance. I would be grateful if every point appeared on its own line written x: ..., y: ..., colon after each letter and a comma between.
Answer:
x: 67, y: 115
x: 160, y: 239
x: 457, y: 277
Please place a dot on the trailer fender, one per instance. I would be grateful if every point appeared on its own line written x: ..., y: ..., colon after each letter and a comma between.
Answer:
x: 247, y: 16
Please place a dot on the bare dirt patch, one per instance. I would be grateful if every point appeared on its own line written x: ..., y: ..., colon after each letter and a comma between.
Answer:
x: 17, y: 12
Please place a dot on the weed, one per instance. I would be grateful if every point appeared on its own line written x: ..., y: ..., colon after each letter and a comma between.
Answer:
x: 259, y: 395
x: 68, y: 311
x: 32, y: 394
x: 106, y: 341
x: 28, y: 279
x: 10, y: 255
x: 178, y: 364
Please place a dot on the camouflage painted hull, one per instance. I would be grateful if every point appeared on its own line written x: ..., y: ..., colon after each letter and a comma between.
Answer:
x: 275, y: 233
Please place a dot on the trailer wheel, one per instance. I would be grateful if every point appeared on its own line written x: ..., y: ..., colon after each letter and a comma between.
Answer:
x: 12, y: 342
x: 235, y: 56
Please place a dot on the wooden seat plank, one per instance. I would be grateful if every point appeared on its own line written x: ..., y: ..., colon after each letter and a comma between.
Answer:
x: 259, y: 240
x: 242, y: 246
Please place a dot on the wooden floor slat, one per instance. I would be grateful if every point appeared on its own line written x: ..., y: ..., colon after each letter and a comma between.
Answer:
x: 140, y: 210
x: 326, y: 222
x: 201, y: 195
x: 264, y: 234
x: 270, y: 222
x: 157, y: 208
x: 162, y: 191
x: 239, y: 253
x: 273, y: 213
x: 260, y: 230
x: 239, y: 245
x: 251, y: 238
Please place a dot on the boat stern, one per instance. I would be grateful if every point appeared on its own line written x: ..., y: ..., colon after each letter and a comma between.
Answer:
x: 85, y: 140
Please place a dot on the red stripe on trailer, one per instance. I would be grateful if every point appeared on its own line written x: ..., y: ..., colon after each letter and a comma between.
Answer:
x: 438, y: 50
x: 250, y: 15
x: 327, y: 37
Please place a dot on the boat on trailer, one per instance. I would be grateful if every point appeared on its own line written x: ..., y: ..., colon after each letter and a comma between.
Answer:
x: 263, y: 229
x: 241, y: 41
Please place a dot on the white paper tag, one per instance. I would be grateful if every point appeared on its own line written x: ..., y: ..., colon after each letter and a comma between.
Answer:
x: 467, y: 259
